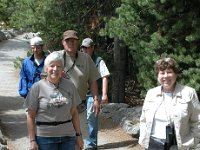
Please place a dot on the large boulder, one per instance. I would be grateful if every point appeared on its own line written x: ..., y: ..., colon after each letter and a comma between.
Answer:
x: 124, y: 115
x: 9, y: 33
x: 2, y: 36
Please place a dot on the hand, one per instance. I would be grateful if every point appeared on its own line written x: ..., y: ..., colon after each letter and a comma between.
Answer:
x: 33, y: 145
x: 79, y: 142
x: 104, y: 99
x: 96, y: 107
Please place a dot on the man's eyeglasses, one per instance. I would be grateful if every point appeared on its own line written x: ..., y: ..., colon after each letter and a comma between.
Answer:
x: 36, y: 47
x: 70, y: 40
x: 83, y: 47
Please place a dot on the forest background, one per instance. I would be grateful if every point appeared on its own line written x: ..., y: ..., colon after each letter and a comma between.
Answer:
x: 131, y: 35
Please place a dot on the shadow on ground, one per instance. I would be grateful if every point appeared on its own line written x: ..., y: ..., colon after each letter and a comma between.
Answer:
x: 10, y: 103
x: 130, y: 144
x: 19, y: 44
x: 13, y: 118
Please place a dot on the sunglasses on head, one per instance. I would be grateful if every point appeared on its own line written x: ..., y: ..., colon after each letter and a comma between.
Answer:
x: 164, y: 60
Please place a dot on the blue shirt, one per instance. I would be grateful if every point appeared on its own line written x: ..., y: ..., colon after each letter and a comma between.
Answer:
x: 29, y: 74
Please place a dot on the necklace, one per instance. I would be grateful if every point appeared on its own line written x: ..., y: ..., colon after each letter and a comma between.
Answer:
x: 53, y: 84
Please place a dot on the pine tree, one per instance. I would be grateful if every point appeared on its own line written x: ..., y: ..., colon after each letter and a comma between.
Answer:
x: 155, y: 28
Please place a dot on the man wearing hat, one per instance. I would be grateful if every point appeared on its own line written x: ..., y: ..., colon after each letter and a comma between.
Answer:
x: 32, y: 66
x: 88, y: 47
x: 81, y: 70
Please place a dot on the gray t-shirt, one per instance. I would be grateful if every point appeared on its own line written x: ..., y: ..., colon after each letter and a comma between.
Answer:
x: 81, y: 70
x: 53, y: 104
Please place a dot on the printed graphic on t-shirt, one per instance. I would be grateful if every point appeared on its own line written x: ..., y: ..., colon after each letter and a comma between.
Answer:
x: 57, y: 100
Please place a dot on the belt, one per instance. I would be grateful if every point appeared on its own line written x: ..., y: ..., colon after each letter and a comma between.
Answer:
x: 38, y: 123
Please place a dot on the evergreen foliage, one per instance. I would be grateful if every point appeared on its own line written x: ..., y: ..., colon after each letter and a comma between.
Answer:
x: 157, y: 28
x: 7, y: 7
x: 150, y: 28
x: 51, y: 18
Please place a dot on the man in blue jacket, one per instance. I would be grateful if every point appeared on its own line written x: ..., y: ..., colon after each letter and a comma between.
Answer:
x: 32, y: 66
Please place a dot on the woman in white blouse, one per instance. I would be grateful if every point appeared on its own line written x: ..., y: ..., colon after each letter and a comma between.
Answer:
x: 170, y: 116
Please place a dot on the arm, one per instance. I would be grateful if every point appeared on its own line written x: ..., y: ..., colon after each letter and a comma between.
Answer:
x: 143, y: 126
x: 195, y: 118
x: 32, y: 129
x: 104, y: 90
x: 94, y: 90
x: 104, y: 72
x: 76, y: 124
x: 23, y: 82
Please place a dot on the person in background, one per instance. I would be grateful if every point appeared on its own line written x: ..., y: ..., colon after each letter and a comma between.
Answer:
x: 88, y: 47
x: 170, y: 116
x: 51, y: 105
x: 32, y: 67
x: 81, y: 70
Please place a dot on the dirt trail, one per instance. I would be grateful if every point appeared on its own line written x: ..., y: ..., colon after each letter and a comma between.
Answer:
x: 12, y: 115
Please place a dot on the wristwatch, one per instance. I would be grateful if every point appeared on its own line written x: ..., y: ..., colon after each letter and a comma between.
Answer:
x: 78, y: 134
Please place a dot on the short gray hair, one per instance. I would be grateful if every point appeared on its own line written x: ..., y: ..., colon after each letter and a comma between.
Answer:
x: 54, y: 56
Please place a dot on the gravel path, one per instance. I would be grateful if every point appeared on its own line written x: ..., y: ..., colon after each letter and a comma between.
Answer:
x: 12, y: 115
x: 11, y: 112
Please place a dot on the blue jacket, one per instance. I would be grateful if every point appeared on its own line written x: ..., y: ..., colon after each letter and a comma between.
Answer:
x: 29, y: 74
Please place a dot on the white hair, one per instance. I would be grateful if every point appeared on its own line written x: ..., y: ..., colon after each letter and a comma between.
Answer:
x: 54, y: 56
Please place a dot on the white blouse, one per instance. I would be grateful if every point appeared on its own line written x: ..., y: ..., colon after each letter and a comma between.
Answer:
x: 162, y: 117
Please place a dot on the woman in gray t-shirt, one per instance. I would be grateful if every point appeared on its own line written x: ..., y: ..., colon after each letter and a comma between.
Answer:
x: 51, y: 105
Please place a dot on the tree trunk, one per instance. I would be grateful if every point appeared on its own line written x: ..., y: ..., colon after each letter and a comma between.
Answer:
x: 118, y: 78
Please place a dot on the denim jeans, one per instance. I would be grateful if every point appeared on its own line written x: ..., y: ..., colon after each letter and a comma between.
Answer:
x: 91, y: 140
x: 56, y: 143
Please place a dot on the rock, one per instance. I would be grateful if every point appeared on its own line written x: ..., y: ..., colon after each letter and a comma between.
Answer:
x: 3, y: 147
x: 113, y: 107
x: 2, y: 36
x: 130, y: 128
x: 124, y: 115
x: 3, y: 141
